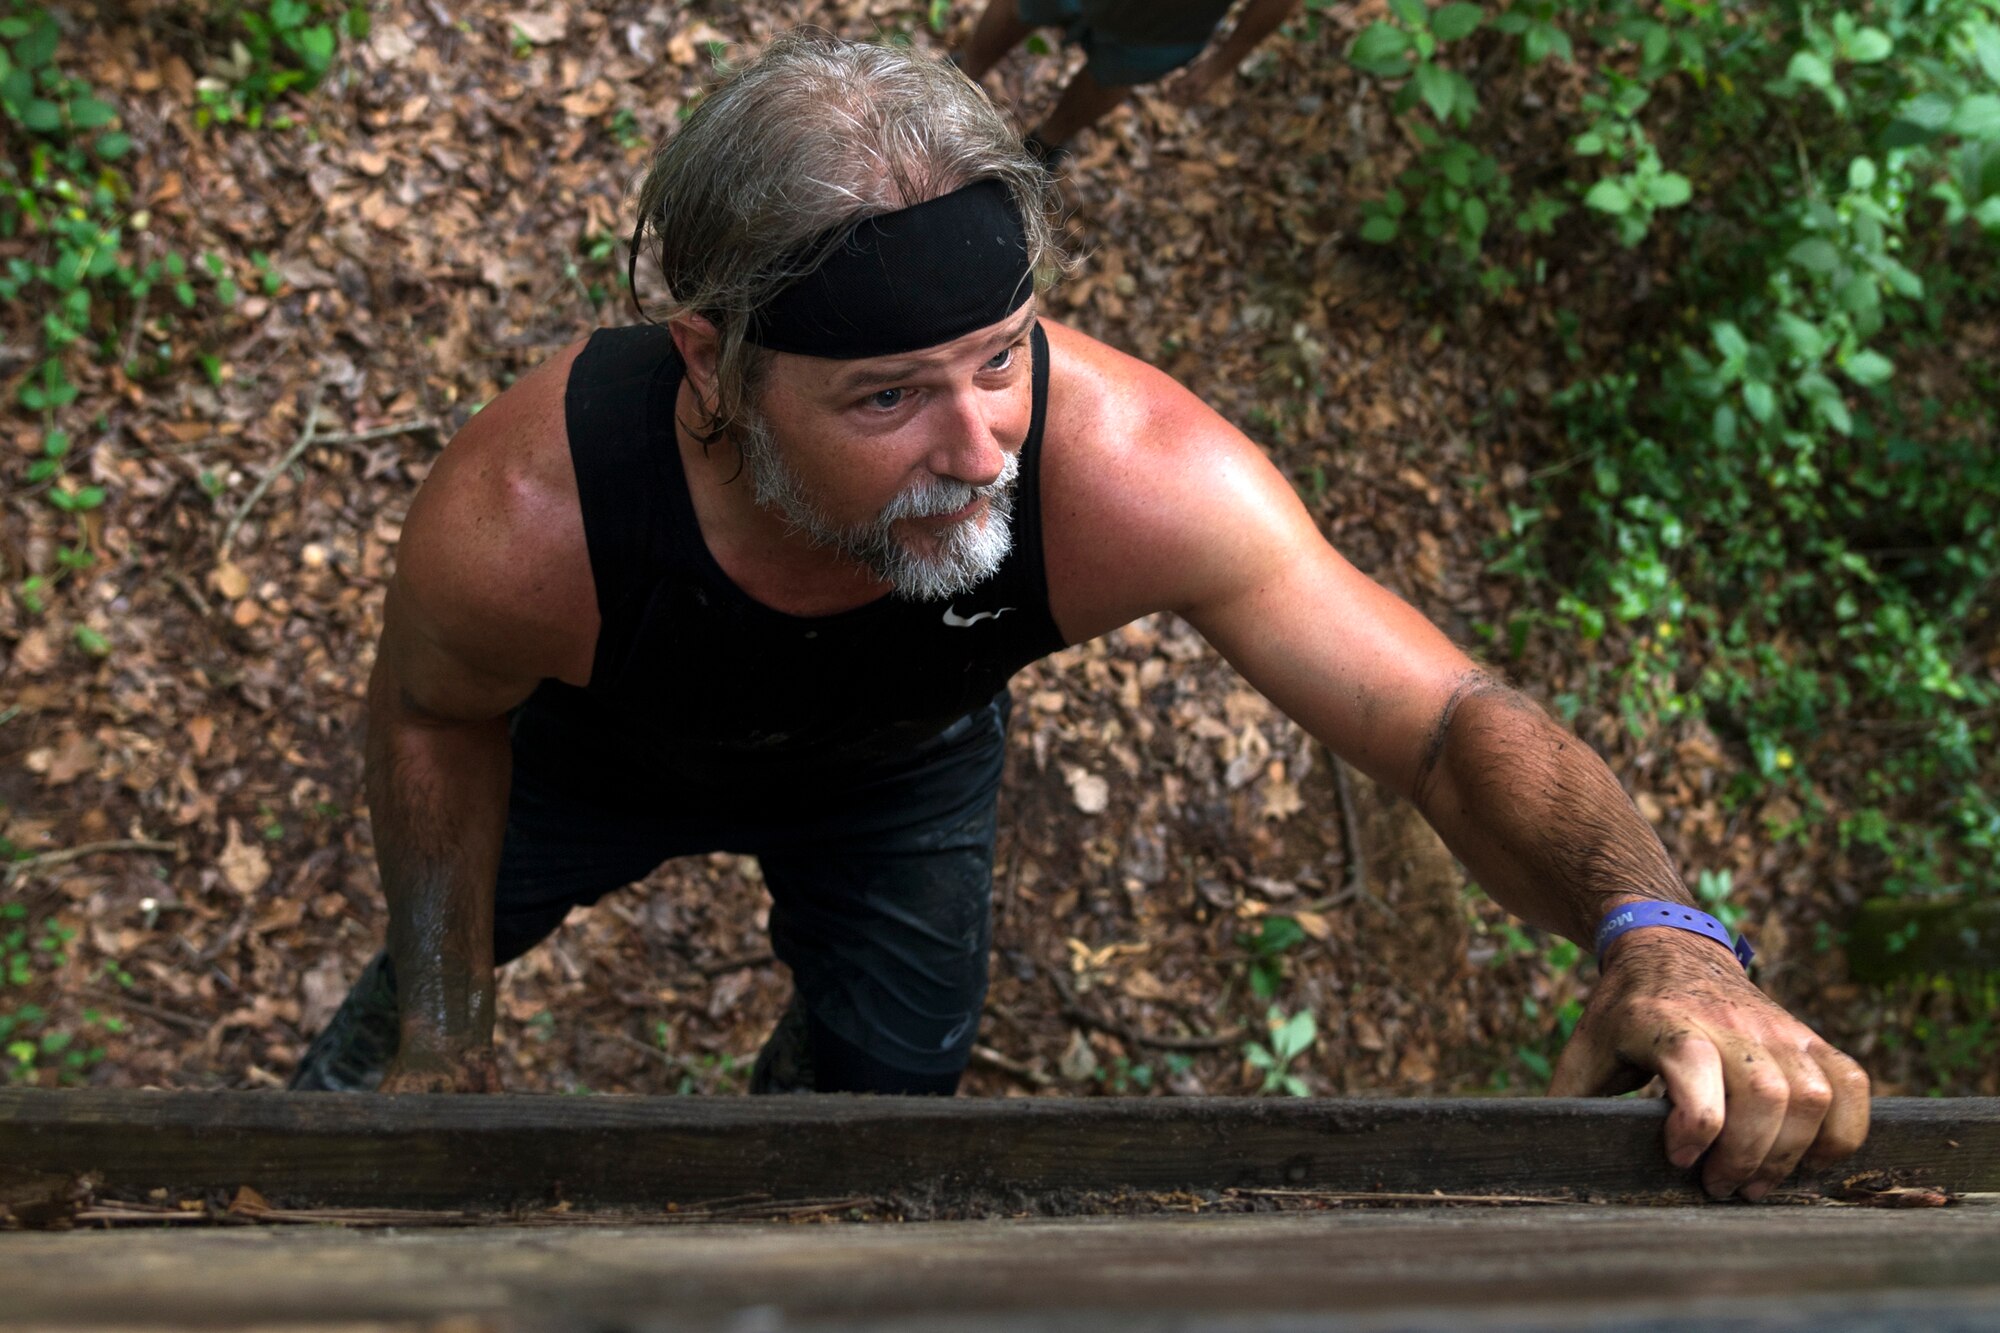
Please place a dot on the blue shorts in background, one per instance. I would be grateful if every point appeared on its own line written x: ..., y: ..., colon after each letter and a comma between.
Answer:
x: 1130, y: 41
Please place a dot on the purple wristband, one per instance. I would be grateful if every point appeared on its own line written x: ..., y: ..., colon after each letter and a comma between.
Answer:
x: 1634, y: 915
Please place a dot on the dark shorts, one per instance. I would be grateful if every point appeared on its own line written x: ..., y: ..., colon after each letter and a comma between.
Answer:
x: 881, y: 883
x: 1130, y: 41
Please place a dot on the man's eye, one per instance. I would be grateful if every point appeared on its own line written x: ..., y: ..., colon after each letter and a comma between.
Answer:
x: 885, y: 398
x: 1001, y: 361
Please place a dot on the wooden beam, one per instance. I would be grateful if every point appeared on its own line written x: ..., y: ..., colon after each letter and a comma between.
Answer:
x: 510, y: 1150
x: 1571, y: 1267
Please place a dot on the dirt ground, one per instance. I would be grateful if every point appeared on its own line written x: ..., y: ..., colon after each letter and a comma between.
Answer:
x: 447, y: 214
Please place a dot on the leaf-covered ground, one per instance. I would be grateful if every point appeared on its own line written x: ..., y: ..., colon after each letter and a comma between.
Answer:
x: 446, y: 214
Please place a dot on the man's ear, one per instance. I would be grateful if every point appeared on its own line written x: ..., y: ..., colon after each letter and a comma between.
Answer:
x: 699, y: 345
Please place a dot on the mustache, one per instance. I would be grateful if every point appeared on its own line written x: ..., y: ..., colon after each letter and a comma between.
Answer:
x: 933, y: 496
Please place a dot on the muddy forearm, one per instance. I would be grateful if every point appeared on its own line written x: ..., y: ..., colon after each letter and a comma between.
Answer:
x: 1535, y: 815
x: 438, y: 796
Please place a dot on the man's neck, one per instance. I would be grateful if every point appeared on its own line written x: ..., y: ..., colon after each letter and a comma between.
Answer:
x: 759, y: 550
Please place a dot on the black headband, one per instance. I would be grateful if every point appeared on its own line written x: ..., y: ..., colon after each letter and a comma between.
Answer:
x: 900, y: 281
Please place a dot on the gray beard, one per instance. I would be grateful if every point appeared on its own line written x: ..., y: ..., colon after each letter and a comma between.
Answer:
x: 967, y: 554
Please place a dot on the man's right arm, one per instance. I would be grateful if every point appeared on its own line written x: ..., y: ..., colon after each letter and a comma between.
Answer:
x: 492, y: 595
x: 437, y: 795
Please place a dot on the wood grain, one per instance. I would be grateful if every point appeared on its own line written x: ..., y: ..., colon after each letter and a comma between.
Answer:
x: 1572, y: 1267
x: 516, y: 1150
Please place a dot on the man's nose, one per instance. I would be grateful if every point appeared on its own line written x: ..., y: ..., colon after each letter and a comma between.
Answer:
x: 968, y: 446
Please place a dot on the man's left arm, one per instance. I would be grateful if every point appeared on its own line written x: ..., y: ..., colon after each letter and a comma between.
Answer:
x: 1545, y: 828
x: 1175, y: 510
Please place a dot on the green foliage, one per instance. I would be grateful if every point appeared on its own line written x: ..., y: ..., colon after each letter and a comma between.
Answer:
x: 1953, y: 1032
x: 1274, y: 937
x: 1775, y: 525
x: 1712, y: 888
x: 1449, y: 196
x: 715, y: 1073
x: 1556, y: 959
x: 1537, y: 1060
x: 63, y: 194
x: 625, y: 129
x: 1122, y: 1076
x: 1290, y: 1037
x: 274, y: 49
x: 37, y: 1048
x: 60, y: 190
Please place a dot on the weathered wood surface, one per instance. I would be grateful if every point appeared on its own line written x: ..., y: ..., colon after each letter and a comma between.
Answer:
x: 1739, y: 1267
x: 527, y: 1151
x: 1894, y: 937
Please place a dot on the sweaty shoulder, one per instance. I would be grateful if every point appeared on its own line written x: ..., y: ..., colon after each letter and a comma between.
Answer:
x: 1151, y: 500
x: 493, y: 569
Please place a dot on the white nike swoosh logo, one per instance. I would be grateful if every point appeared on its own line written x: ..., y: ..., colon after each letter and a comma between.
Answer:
x: 957, y: 621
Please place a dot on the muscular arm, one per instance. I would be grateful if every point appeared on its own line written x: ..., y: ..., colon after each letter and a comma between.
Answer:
x: 1546, y: 829
x: 1170, y: 508
x: 437, y: 794
x: 492, y: 595
x: 1534, y: 813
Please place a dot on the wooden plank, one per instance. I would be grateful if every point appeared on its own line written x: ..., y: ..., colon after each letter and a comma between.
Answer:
x: 1566, y: 1267
x: 516, y: 1150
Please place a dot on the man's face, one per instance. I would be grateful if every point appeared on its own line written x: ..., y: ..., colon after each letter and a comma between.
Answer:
x: 905, y: 464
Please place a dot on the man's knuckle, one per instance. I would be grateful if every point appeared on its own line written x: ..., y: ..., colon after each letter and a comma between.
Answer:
x: 1763, y: 1082
x: 1674, y: 1040
x: 1850, y: 1079
x: 1813, y: 1095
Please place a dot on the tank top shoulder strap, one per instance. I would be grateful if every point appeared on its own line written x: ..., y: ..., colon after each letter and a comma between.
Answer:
x: 610, y: 406
x: 1023, y: 579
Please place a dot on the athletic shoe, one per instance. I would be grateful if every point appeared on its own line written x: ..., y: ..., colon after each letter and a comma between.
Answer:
x: 353, y: 1051
x: 785, y: 1063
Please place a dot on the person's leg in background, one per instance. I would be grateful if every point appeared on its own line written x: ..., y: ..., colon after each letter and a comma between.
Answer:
x: 1125, y: 47
x: 1085, y: 100
x: 1004, y: 25
x: 999, y: 29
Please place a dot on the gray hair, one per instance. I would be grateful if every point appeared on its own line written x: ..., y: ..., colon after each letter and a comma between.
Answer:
x: 812, y: 136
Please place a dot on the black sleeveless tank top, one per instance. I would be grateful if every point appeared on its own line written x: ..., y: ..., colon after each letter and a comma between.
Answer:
x: 690, y: 668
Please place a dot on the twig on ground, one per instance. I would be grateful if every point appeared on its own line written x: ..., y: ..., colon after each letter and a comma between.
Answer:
x: 1074, y: 1010
x: 736, y: 963
x: 1354, y: 881
x: 63, y: 856
x: 648, y: 1049
x: 988, y: 1058
x: 1389, y: 1197
x: 1913, y: 724
x: 582, y: 288
x: 193, y: 446
x: 185, y: 587
x: 185, y: 1022
x: 793, y: 1210
x: 299, y: 446
x: 137, y: 327
x: 420, y: 426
